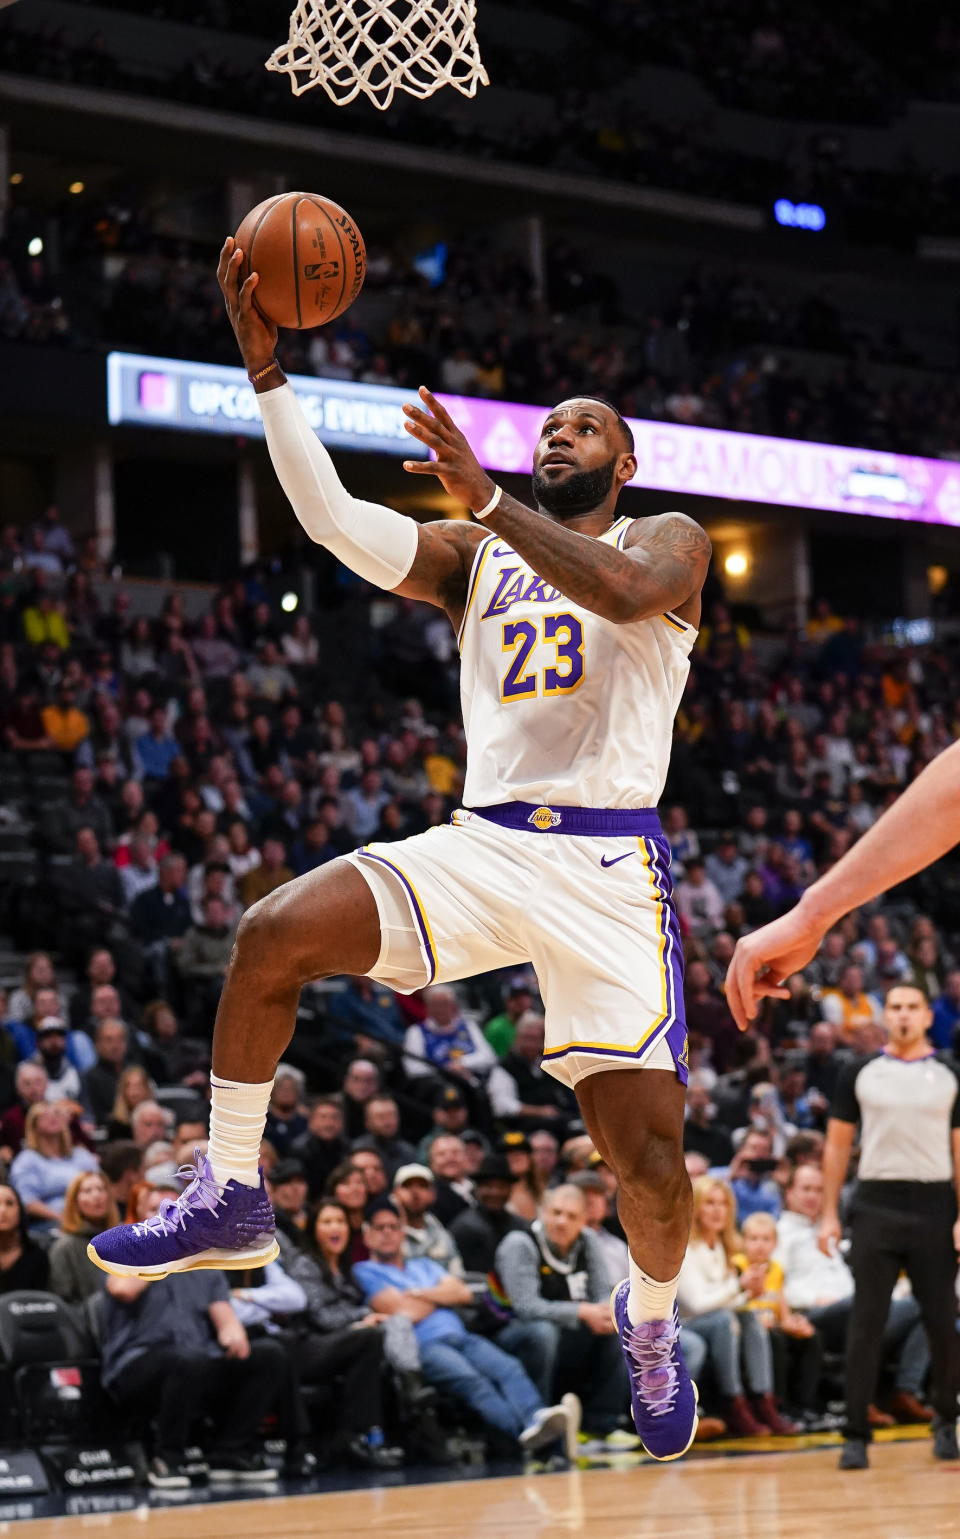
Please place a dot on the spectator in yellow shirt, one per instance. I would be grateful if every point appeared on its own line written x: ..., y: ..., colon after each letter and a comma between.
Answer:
x: 43, y: 621
x: 794, y: 1343
x: 441, y: 771
x: 64, y: 723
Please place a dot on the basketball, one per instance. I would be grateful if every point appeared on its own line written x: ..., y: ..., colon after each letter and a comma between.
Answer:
x: 310, y: 257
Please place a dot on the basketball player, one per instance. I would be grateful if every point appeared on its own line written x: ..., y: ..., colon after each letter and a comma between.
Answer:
x: 575, y: 628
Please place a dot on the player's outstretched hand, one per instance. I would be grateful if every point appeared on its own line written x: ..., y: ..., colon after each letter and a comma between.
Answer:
x: 257, y: 337
x: 763, y: 962
x: 456, y: 465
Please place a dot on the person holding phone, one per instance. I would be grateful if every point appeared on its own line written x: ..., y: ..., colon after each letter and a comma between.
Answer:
x: 751, y: 1176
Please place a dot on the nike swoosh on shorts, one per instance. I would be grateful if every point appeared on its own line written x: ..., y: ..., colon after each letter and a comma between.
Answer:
x: 605, y: 862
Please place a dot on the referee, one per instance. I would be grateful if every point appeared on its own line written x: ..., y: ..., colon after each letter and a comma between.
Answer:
x: 907, y: 1103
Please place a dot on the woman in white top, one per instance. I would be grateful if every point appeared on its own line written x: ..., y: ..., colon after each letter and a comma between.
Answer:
x: 713, y: 1303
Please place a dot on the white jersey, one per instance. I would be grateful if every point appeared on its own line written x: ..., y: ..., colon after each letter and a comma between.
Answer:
x: 559, y: 705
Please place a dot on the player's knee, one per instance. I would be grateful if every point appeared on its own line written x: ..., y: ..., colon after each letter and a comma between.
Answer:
x: 260, y: 936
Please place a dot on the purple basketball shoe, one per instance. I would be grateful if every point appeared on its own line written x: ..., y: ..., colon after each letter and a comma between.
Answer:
x: 228, y: 1230
x: 664, y: 1395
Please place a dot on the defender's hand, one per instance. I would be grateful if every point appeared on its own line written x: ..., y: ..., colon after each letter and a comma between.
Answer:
x: 257, y: 338
x: 455, y: 465
x: 764, y: 960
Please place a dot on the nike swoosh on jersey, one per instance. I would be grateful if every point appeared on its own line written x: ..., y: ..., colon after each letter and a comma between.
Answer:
x: 605, y: 862
x: 506, y: 552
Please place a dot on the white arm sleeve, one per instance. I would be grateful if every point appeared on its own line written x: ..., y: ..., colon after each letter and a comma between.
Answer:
x: 373, y: 541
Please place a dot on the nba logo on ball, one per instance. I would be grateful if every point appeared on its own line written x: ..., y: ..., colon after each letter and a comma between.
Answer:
x: 544, y: 818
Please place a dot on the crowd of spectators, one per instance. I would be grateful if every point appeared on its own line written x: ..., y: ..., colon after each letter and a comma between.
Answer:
x: 447, y: 1228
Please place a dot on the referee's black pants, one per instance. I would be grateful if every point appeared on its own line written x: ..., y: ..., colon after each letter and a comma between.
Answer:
x: 902, y: 1226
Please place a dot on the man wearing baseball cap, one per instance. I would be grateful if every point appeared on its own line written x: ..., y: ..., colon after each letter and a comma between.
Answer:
x: 414, y: 1192
x: 63, y: 1081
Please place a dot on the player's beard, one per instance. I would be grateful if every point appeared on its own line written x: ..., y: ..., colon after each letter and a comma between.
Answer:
x: 580, y: 492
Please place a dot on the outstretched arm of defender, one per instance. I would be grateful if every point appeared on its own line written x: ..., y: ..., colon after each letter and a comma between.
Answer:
x: 662, y: 567
x: 429, y: 562
x: 920, y: 827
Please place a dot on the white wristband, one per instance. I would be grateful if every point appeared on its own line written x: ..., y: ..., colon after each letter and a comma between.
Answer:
x: 494, y: 500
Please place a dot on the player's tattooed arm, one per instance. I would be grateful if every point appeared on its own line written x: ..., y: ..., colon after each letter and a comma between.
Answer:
x: 662, y: 567
x: 441, y: 567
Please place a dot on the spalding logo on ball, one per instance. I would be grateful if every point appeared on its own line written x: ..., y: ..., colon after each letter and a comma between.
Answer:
x: 310, y: 257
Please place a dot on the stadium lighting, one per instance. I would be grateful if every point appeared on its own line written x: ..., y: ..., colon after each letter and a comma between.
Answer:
x: 16, y: 179
x: 35, y: 246
x: 289, y: 603
x: 736, y: 564
x: 799, y: 216
x: 76, y: 187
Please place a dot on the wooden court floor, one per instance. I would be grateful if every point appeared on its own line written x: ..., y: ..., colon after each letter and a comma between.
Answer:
x: 904, y: 1495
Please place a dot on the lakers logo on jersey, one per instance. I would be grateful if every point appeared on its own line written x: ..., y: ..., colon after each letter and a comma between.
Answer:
x: 682, y: 1059
x: 545, y: 818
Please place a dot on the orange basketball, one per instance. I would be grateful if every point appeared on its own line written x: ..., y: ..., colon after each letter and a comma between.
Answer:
x: 310, y: 256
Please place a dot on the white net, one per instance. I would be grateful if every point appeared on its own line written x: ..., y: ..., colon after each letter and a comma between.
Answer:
x: 378, y: 47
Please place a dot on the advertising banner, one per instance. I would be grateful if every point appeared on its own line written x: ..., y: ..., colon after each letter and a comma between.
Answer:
x: 671, y: 457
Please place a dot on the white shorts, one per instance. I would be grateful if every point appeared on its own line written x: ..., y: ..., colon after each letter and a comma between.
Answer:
x: 593, y: 914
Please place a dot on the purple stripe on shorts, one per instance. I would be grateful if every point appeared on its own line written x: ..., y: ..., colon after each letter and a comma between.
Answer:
x: 415, y: 905
x: 532, y: 817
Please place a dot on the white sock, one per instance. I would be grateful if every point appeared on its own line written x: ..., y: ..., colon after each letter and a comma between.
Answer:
x: 238, y: 1113
x: 649, y: 1299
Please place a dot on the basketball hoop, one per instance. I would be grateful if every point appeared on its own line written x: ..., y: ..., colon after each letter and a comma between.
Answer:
x: 381, y: 46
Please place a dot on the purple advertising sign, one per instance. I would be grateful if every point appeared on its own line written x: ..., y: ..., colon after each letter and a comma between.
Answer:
x: 704, y: 462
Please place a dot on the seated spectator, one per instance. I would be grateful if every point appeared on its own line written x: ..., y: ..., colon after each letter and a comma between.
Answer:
x: 374, y: 1173
x: 23, y: 1264
x: 701, y: 1134
x: 540, y: 1099
x: 445, y: 1039
x: 63, y: 1081
x: 448, y: 1162
x: 597, y: 1212
x: 138, y: 873
x: 100, y: 1083
x: 91, y: 895
x: 711, y: 1027
x: 820, y: 1286
x: 285, y: 1119
x: 478, y: 1230
x: 121, y: 1165
x: 414, y: 1193
x: 345, y: 1339
x: 155, y: 750
x: 472, y: 1369
x: 88, y: 1209
x: 711, y: 1300
x: 946, y: 1013
x: 792, y: 1336
x: 202, y: 960
x: 501, y: 1029
x: 556, y: 1275
x: 847, y: 1006
x: 101, y: 969
x: 545, y: 1150
x: 38, y: 974
x: 322, y: 1147
x: 382, y: 1124
x: 448, y: 1114
x: 361, y: 1080
x: 176, y: 1346
x: 750, y: 1176
x: 823, y: 1061
x: 46, y: 1165
x: 271, y: 873
x: 698, y: 903
x: 368, y: 1009
x: 287, y: 1188
x: 150, y: 1123
x: 83, y: 808
x: 133, y: 1088
x: 528, y: 1184
x: 173, y: 1059
x: 347, y: 1187
x: 726, y: 868
x: 30, y: 1082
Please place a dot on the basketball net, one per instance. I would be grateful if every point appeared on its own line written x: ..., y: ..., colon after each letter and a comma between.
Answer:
x: 378, y: 47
